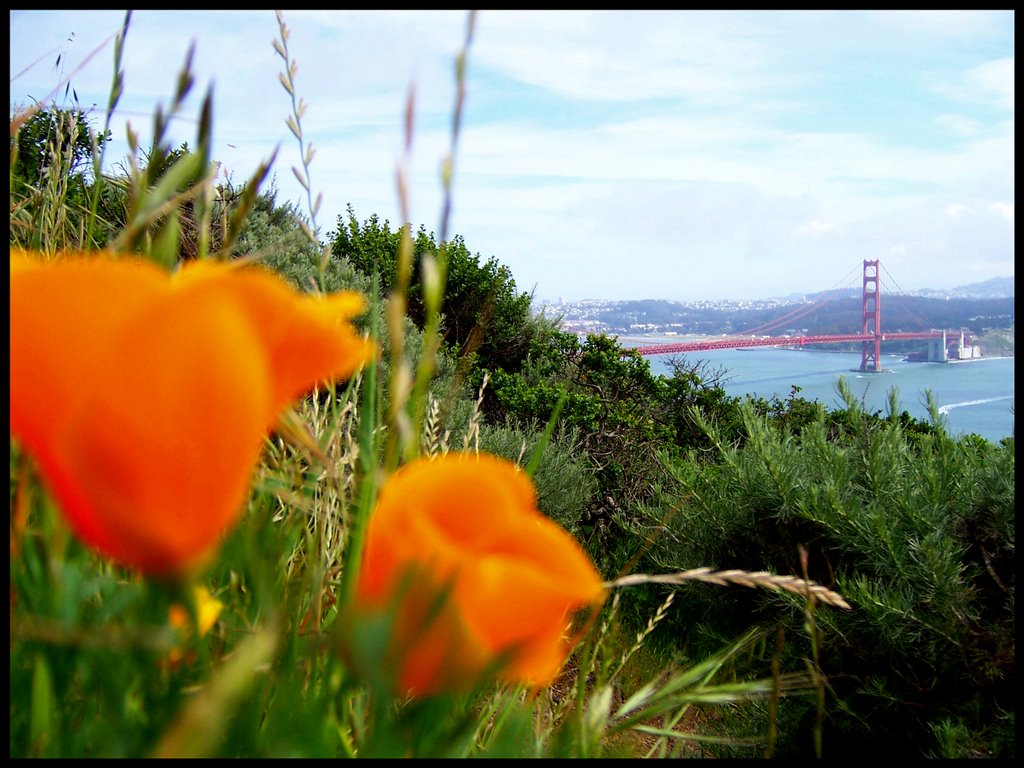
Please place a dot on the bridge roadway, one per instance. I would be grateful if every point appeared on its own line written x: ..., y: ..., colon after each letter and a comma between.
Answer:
x: 779, y: 341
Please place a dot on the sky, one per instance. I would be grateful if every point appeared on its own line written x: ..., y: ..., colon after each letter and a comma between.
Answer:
x: 680, y: 155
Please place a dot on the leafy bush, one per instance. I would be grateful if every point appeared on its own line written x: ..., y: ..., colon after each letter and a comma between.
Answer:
x: 483, y: 312
x: 566, y: 486
x: 915, y: 530
x: 273, y: 236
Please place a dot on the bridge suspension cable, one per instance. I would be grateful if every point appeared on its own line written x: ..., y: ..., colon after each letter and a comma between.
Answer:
x: 905, y: 306
x: 870, y: 336
x: 801, y: 311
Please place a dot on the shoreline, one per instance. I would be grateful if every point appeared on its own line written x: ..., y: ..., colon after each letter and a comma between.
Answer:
x: 644, y: 340
x: 767, y: 375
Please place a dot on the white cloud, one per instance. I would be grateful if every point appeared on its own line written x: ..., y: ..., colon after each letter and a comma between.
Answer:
x: 1003, y: 209
x: 945, y: 24
x: 993, y: 79
x: 960, y: 125
x: 641, y: 154
x: 814, y: 228
x: 613, y: 57
x: 990, y: 83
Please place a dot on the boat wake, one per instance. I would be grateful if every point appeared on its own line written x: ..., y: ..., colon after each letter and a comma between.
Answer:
x: 947, y: 408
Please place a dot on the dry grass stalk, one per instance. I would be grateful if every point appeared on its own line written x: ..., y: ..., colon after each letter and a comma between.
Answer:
x: 473, y: 430
x: 743, y: 578
x: 431, y: 438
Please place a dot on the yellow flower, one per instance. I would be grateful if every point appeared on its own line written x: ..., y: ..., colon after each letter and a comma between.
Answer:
x: 208, y: 609
x: 144, y: 396
x: 478, y: 578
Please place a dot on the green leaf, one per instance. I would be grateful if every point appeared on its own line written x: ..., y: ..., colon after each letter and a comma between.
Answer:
x: 41, y: 726
x: 165, y: 244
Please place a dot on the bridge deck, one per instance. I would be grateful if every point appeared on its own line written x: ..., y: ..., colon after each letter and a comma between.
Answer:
x: 780, y: 341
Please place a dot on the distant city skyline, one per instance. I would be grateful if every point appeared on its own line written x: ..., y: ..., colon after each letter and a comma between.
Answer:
x: 618, y: 155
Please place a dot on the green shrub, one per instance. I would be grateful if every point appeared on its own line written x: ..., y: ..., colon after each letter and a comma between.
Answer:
x: 566, y: 486
x: 482, y: 310
x: 272, y: 235
x: 915, y: 530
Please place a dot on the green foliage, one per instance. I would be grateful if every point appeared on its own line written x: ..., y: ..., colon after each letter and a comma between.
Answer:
x: 609, y: 400
x: 50, y: 133
x: 624, y: 416
x: 276, y: 236
x: 49, y: 180
x: 272, y: 235
x: 914, y: 529
x: 566, y: 486
x: 482, y: 312
x: 60, y: 199
x: 92, y: 642
x: 88, y: 643
x: 694, y: 385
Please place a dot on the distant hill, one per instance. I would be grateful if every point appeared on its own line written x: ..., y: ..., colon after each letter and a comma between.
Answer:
x: 996, y: 288
x: 841, y: 314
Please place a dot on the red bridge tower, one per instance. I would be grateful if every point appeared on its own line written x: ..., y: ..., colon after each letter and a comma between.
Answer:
x: 871, y: 349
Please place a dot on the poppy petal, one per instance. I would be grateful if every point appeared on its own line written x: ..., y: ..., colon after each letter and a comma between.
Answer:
x: 470, y: 523
x: 144, y: 397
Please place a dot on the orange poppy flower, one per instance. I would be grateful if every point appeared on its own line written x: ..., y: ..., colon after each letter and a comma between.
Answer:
x: 479, y: 580
x: 145, y: 396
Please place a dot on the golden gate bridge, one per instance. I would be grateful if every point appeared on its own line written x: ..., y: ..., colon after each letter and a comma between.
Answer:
x: 870, y: 336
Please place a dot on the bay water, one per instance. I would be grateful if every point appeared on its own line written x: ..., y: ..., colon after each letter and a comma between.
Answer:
x: 973, y: 396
